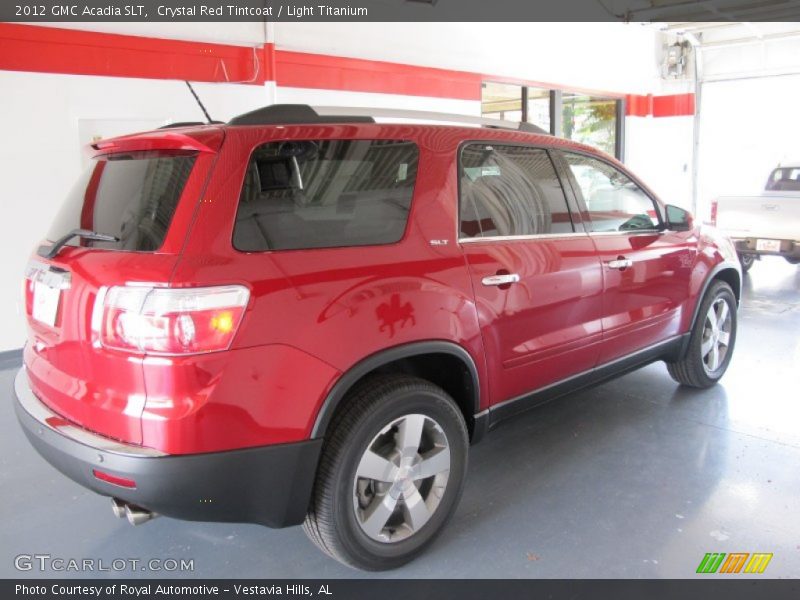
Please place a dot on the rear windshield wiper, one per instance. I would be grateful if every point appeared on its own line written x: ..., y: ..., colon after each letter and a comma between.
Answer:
x: 86, y: 234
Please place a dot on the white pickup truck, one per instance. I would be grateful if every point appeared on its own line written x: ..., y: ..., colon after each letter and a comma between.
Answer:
x: 768, y: 224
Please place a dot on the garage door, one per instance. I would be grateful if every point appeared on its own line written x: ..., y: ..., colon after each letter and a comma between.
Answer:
x: 747, y: 127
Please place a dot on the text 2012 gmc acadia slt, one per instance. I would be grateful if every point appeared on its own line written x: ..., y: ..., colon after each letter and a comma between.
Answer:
x: 306, y: 317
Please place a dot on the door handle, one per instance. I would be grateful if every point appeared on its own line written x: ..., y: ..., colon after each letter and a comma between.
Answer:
x: 505, y: 279
x: 620, y: 263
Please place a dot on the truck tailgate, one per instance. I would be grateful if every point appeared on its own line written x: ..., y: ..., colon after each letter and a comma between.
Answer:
x: 773, y: 215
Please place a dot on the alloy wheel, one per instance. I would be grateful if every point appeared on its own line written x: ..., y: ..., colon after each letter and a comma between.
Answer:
x: 401, y: 478
x: 716, y: 335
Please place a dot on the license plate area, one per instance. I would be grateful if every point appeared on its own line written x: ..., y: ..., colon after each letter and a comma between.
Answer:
x: 46, y: 300
x: 768, y: 245
x: 47, y: 285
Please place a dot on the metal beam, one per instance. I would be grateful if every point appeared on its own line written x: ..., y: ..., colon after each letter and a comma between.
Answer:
x: 556, y: 127
x: 734, y: 11
x: 619, y: 131
x: 746, y: 41
x: 699, y: 27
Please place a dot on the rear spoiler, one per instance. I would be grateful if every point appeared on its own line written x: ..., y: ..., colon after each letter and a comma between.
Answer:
x: 206, y: 139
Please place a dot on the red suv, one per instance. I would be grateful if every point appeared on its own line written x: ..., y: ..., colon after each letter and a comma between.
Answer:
x: 308, y: 316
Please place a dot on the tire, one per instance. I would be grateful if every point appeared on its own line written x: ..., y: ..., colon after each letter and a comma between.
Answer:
x: 793, y: 261
x: 365, y: 438
x: 698, y: 368
x: 747, y: 261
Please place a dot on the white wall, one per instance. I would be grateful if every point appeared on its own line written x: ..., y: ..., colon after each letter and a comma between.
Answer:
x: 659, y: 151
x: 358, y: 99
x: 612, y: 57
x: 42, y: 151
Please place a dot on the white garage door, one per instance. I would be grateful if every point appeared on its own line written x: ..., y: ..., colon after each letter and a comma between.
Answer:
x: 747, y: 127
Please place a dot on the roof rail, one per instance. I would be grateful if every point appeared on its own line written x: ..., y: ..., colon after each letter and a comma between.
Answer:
x: 291, y: 114
x: 424, y: 115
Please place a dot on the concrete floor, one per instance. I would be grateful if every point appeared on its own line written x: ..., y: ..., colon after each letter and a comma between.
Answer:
x: 636, y: 478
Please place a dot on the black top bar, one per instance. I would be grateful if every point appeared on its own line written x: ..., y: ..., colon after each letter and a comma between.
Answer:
x: 291, y: 114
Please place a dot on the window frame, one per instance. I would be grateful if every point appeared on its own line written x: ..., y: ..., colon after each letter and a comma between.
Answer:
x: 278, y: 140
x: 573, y: 208
x: 584, y: 209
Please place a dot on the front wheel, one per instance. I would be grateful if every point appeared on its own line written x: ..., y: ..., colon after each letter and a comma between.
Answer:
x: 391, y: 473
x: 711, y: 341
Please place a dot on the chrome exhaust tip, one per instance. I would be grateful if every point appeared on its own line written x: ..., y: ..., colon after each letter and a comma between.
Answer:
x: 136, y: 515
x: 118, y: 507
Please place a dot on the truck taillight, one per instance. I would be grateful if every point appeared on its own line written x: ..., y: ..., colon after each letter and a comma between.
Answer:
x: 169, y: 321
x: 714, y: 212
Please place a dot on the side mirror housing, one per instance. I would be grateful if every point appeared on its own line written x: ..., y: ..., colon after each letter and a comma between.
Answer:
x: 678, y: 219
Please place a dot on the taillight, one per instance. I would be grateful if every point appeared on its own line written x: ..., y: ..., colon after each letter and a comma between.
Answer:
x: 714, y: 212
x: 169, y: 320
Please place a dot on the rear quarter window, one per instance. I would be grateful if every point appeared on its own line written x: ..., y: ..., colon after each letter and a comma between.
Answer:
x: 325, y: 194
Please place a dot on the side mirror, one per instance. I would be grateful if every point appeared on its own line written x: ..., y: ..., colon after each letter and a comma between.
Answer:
x: 678, y: 219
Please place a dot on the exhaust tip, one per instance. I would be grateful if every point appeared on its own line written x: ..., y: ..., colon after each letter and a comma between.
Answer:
x: 118, y: 507
x: 136, y: 515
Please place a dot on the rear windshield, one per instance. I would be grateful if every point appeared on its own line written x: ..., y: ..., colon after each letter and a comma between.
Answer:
x: 132, y: 197
x: 784, y: 179
x: 325, y: 193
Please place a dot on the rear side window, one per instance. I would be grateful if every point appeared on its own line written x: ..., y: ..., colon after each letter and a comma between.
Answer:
x: 510, y: 190
x: 132, y: 197
x: 325, y: 194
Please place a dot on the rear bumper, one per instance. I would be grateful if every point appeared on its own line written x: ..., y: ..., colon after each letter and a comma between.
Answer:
x: 269, y: 485
x: 788, y: 249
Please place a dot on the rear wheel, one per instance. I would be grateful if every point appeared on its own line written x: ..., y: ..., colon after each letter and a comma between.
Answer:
x: 747, y: 261
x: 711, y: 342
x: 391, y: 473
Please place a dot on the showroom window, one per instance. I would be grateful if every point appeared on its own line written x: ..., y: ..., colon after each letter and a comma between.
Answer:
x: 502, y: 101
x: 538, y: 103
x: 516, y: 103
x: 590, y: 120
x: 510, y: 190
x: 596, y: 121
x: 614, y: 202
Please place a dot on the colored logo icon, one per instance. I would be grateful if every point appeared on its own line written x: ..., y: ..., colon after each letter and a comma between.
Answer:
x: 735, y: 562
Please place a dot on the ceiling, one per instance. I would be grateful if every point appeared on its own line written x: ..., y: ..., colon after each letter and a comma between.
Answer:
x: 678, y: 11
x: 719, y: 34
